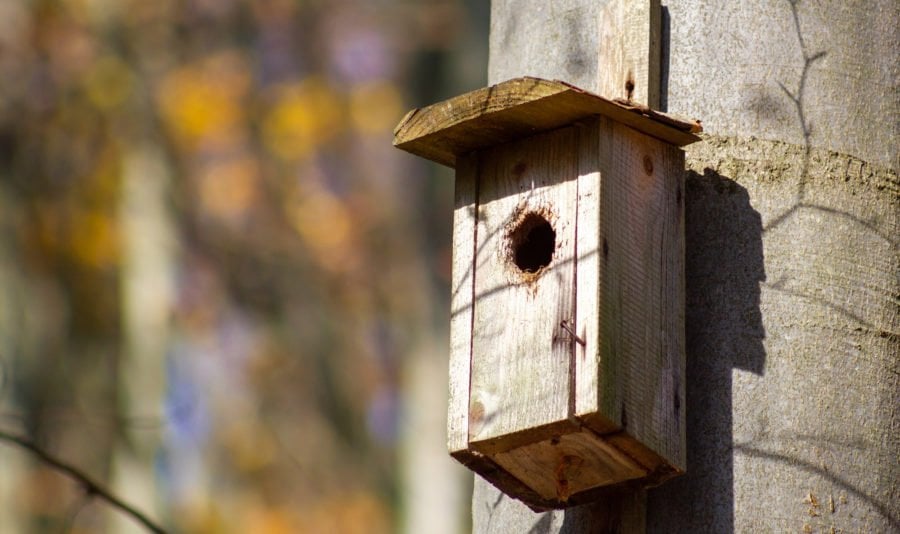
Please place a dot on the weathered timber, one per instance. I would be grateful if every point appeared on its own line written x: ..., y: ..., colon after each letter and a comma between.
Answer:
x: 629, y: 47
x: 520, y: 107
x: 641, y: 294
x: 461, y: 300
x: 567, y: 349
x: 520, y: 377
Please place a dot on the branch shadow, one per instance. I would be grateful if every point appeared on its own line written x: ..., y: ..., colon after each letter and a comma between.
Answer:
x: 724, y: 272
x: 797, y: 99
x: 796, y: 463
x: 665, y: 37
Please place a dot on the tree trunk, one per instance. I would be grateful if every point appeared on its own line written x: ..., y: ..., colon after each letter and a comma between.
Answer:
x: 147, y: 273
x: 793, y: 294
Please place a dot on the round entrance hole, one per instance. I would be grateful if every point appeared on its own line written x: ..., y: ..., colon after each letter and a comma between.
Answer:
x: 533, y: 242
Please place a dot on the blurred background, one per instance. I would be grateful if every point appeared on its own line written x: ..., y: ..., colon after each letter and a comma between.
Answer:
x: 224, y: 293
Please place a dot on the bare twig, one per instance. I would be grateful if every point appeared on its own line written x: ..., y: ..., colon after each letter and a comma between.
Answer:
x: 91, y: 487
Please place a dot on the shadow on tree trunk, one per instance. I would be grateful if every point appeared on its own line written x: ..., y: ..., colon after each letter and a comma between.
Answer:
x: 723, y: 270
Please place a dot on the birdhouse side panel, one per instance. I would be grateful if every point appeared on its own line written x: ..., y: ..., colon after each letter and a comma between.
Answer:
x: 461, y: 300
x: 639, y: 381
x: 524, y: 291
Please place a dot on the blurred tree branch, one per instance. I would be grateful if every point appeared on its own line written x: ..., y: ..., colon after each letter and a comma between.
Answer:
x: 91, y: 488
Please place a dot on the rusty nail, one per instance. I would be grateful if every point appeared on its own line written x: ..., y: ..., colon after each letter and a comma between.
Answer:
x: 565, y: 326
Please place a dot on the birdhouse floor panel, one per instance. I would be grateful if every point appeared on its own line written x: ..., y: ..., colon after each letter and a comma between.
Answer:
x: 567, y: 465
x: 577, y: 462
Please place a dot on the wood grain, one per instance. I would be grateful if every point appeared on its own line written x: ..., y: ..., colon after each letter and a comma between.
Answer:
x: 592, y: 339
x: 569, y: 464
x: 521, y: 355
x: 640, y: 379
x: 521, y: 384
x: 589, y: 252
x: 517, y: 108
x: 461, y: 300
x: 564, y: 40
x: 629, y: 48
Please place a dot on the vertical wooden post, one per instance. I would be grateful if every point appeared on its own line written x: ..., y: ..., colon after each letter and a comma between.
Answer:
x: 629, y: 51
x: 611, y: 49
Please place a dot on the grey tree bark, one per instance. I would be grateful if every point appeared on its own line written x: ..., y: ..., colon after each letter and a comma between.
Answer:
x: 793, y: 259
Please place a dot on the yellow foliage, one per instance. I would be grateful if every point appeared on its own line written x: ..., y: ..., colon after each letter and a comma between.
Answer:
x: 375, y: 107
x: 203, y: 102
x: 201, y: 516
x: 271, y: 520
x: 228, y: 152
x: 354, y: 513
x: 304, y: 115
x: 229, y: 188
x: 251, y: 445
x: 94, y: 238
x: 324, y: 223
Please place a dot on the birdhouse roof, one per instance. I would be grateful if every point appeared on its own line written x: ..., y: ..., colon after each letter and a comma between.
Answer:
x: 519, y: 108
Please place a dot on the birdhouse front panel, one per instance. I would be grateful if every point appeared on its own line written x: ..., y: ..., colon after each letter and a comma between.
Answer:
x: 524, y: 286
x: 567, y: 308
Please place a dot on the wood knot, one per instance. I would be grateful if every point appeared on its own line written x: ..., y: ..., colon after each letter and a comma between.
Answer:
x: 476, y: 414
x: 566, y: 468
x: 629, y: 86
x: 648, y: 165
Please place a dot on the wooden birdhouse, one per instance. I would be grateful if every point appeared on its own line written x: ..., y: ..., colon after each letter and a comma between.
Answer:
x: 567, y: 315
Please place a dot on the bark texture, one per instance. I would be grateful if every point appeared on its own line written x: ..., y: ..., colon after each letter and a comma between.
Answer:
x: 793, y: 255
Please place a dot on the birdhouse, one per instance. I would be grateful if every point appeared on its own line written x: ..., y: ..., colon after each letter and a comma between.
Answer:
x: 567, y: 311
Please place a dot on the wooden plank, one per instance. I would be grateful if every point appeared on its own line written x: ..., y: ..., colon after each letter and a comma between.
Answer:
x: 519, y: 108
x: 461, y: 299
x: 671, y: 424
x: 521, y: 355
x: 629, y: 48
x: 641, y: 272
x: 505, y: 482
x: 589, y: 252
x: 569, y: 464
x: 659, y: 469
x: 512, y: 486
